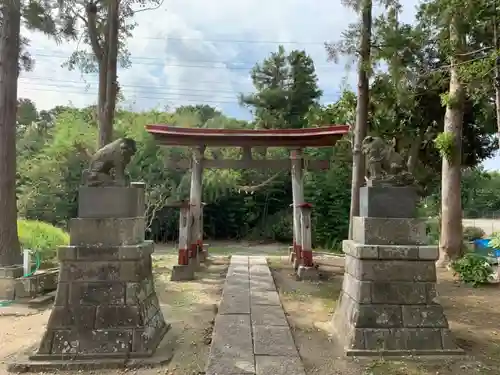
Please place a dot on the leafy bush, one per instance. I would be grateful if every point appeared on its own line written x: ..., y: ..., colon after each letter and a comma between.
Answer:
x: 433, y: 227
x: 473, y: 233
x: 472, y: 269
x: 282, y: 229
x: 495, y: 240
x: 42, y: 237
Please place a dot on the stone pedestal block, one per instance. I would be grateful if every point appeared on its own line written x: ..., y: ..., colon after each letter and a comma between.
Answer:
x: 106, y: 307
x: 307, y: 273
x: 389, y: 231
x: 388, y: 302
x: 8, y: 276
x: 107, y: 232
x: 110, y: 202
x: 182, y: 273
x: 388, y: 202
x: 194, y: 262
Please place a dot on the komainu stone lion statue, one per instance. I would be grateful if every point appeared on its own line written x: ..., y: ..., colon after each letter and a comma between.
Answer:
x: 384, y: 164
x: 107, y: 165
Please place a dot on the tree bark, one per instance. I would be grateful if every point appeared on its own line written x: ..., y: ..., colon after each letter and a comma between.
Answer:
x: 361, y: 127
x: 106, y: 52
x: 111, y: 76
x: 10, y: 29
x: 496, y: 43
x: 415, y: 146
x: 450, y: 242
x: 105, y: 135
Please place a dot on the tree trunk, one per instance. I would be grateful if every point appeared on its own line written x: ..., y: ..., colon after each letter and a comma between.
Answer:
x: 415, y: 146
x: 496, y: 43
x: 450, y: 242
x: 105, y: 133
x: 111, y: 84
x: 361, y: 127
x: 106, y: 53
x: 10, y: 29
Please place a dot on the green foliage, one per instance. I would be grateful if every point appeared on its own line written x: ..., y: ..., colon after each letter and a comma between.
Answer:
x: 473, y: 233
x: 51, y: 161
x: 480, y: 193
x: 42, y: 237
x: 495, y: 240
x: 472, y: 269
x: 433, y: 228
x: 286, y: 89
x: 330, y: 195
x: 74, y: 11
x: 51, y: 177
x: 450, y: 101
x: 445, y: 143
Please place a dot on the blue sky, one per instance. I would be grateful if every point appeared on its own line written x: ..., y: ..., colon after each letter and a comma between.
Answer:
x: 194, y: 51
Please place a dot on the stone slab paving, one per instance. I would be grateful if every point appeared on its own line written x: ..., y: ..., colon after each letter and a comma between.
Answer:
x: 251, y: 334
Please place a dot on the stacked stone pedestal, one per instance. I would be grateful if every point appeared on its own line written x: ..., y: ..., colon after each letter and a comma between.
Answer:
x: 106, y: 306
x: 388, y: 302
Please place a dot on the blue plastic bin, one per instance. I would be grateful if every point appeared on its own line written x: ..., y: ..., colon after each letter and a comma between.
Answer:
x: 483, y: 246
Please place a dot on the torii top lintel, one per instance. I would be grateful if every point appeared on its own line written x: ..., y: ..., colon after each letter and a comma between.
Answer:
x: 309, y: 137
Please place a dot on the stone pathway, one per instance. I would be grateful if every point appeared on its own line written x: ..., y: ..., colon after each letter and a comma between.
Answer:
x: 251, y: 334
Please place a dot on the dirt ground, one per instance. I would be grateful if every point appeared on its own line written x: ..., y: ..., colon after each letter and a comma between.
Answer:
x: 189, y: 307
x: 473, y: 315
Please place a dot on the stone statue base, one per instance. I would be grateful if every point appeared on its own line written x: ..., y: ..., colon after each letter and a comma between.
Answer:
x: 380, y: 201
x: 388, y: 301
x: 106, y: 307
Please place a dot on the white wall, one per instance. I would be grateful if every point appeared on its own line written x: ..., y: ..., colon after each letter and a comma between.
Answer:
x: 488, y: 225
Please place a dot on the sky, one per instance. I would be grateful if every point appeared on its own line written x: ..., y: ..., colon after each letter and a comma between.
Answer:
x: 201, y: 52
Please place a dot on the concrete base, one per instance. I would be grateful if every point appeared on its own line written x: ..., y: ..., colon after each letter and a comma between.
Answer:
x: 194, y: 263
x: 308, y: 273
x: 161, y: 356
x: 388, y: 202
x: 203, y: 255
x: 110, y: 202
x: 182, y: 273
x: 8, y: 276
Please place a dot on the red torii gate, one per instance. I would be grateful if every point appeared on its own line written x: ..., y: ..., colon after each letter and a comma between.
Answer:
x: 191, y: 217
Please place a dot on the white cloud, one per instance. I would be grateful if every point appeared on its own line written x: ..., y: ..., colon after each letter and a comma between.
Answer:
x: 194, y: 51
x: 181, y: 34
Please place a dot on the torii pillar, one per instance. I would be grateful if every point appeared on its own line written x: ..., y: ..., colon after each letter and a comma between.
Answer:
x: 183, y: 271
x: 196, y: 211
x: 306, y: 269
x: 203, y: 250
x: 298, y: 199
